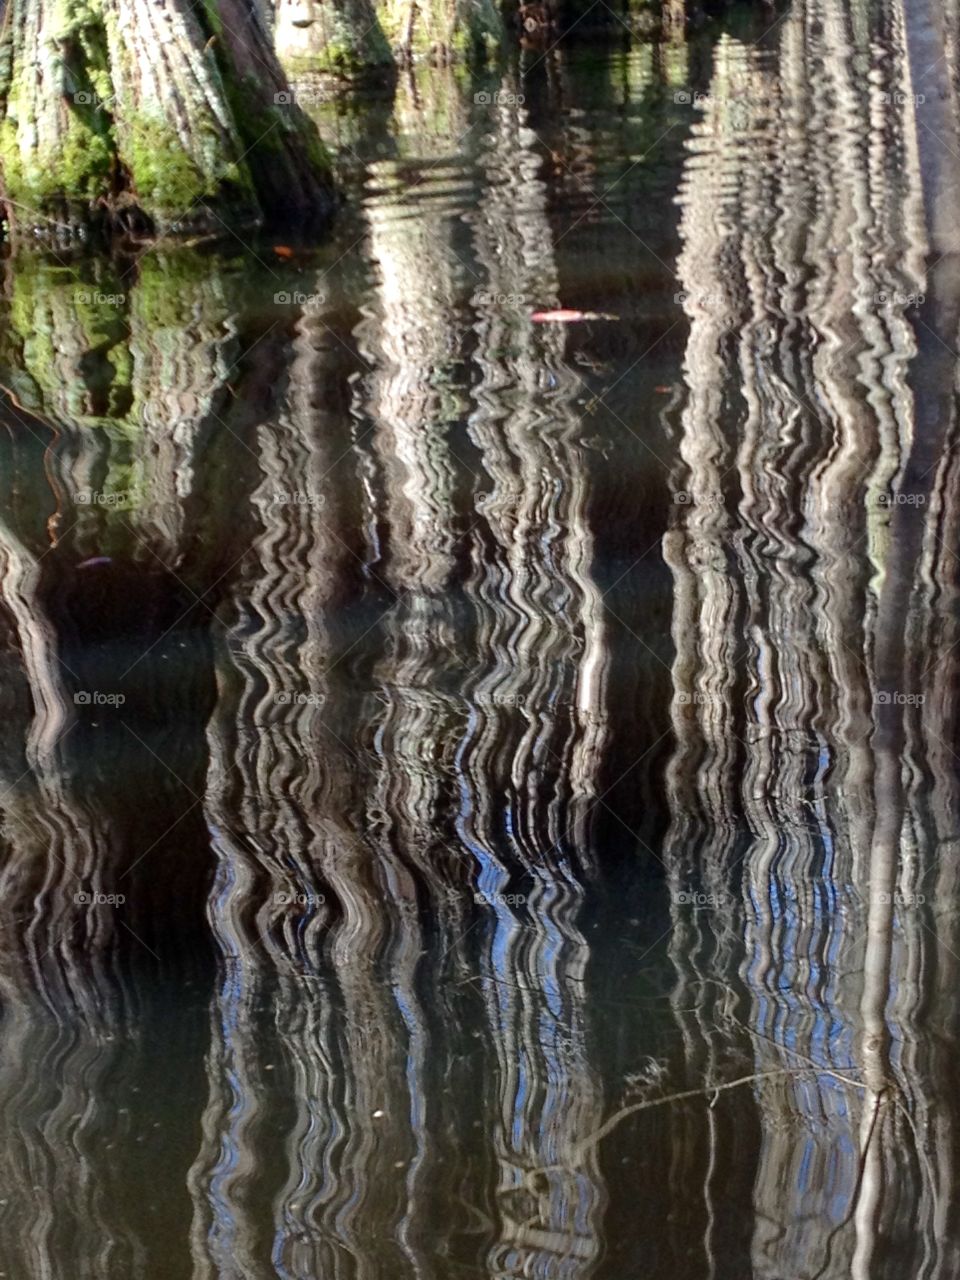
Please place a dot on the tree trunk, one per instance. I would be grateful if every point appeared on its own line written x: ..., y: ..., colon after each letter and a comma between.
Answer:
x: 441, y: 30
x: 150, y: 115
x: 329, y: 36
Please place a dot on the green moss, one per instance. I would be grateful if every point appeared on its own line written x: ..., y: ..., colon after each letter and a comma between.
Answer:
x: 76, y: 165
x: 70, y: 16
x: 254, y: 119
x: 317, y: 153
x: 343, y: 54
x: 82, y: 348
x: 456, y: 30
x: 264, y: 125
x: 102, y: 138
x: 338, y: 56
x: 168, y: 284
x: 348, y: 40
x: 164, y: 176
x: 478, y: 32
x: 210, y: 17
x: 77, y: 168
x: 66, y: 334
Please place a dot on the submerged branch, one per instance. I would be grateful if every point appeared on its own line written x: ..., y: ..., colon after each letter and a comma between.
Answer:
x: 706, y: 1091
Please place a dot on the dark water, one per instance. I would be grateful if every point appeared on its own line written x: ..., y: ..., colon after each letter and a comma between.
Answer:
x: 433, y: 739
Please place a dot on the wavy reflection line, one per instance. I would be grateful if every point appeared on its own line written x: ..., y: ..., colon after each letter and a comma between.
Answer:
x: 791, y: 253
x: 536, y: 727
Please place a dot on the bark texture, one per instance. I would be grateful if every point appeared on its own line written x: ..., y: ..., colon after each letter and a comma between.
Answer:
x: 333, y: 36
x: 441, y: 30
x: 157, y: 114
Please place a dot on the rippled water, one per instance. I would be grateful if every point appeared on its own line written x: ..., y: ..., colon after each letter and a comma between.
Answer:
x: 434, y: 739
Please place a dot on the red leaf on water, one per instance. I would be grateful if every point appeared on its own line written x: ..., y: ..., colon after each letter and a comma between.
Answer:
x: 283, y: 251
x: 562, y: 315
x: 566, y: 315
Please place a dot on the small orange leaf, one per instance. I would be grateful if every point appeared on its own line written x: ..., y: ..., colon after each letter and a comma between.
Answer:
x: 283, y: 251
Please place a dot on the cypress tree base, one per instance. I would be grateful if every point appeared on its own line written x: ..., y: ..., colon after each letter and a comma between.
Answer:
x: 150, y: 115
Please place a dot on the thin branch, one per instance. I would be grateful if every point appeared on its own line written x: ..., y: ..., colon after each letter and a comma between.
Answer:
x: 711, y: 1091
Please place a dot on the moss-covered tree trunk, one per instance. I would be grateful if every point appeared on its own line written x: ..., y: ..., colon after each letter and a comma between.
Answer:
x: 339, y: 37
x: 153, y: 115
x: 441, y: 30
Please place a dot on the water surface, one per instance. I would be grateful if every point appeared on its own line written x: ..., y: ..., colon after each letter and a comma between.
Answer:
x: 434, y: 739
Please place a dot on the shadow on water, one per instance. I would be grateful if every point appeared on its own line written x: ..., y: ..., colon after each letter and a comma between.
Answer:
x: 480, y: 794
